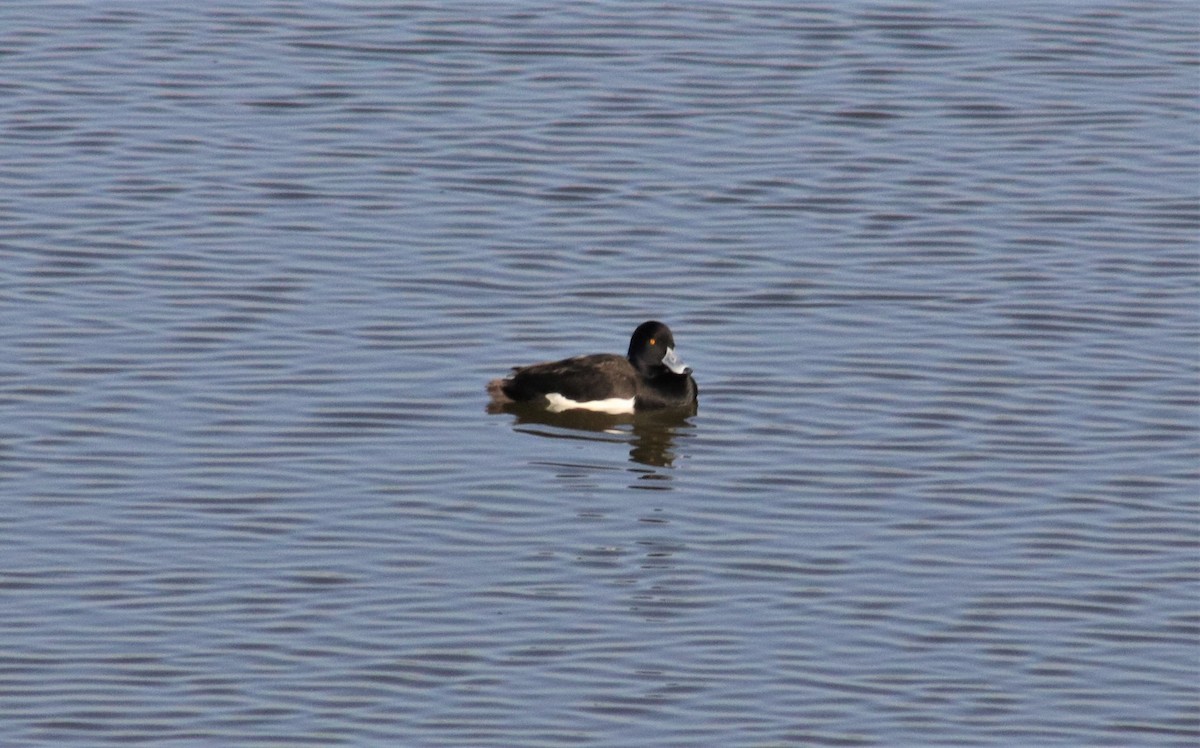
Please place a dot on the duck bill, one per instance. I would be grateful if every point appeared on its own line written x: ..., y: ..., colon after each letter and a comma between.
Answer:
x: 674, y: 363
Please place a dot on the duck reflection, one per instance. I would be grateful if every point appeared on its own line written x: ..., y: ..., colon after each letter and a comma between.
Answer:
x: 651, y: 435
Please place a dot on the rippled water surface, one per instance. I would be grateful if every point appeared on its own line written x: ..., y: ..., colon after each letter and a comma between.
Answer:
x: 936, y: 269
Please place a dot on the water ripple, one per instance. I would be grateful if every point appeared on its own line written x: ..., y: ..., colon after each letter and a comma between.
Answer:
x: 936, y: 273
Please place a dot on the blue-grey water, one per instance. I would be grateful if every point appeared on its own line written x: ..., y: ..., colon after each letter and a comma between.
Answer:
x: 936, y: 267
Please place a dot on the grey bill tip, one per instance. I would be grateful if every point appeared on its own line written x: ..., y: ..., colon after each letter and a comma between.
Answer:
x: 674, y: 363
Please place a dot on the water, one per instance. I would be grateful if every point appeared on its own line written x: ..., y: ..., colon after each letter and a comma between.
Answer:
x: 937, y: 271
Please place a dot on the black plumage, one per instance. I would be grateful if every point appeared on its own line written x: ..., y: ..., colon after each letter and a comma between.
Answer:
x: 651, y: 374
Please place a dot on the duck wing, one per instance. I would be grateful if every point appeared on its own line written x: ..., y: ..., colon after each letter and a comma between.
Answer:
x: 599, y: 376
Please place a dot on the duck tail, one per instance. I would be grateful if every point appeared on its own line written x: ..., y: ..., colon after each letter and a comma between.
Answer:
x: 495, y: 389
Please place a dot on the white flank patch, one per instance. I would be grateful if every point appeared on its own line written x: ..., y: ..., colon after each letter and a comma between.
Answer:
x: 558, y: 403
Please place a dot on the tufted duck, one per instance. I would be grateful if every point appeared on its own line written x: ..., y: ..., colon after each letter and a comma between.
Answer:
x: 650, y: 376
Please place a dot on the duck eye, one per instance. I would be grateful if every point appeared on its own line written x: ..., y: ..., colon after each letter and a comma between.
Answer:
x: 651, y: 341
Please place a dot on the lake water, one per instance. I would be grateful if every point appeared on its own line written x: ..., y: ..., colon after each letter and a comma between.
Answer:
x: 937, y: 270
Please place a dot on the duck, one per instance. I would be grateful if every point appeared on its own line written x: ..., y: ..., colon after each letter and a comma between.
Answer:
x: 651, y: 376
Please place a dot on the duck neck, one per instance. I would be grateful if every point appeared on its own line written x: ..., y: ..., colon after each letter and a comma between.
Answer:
x: 643, y: 367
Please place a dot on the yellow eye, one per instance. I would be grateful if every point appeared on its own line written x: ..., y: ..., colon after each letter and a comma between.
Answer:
x: 651, y: 341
